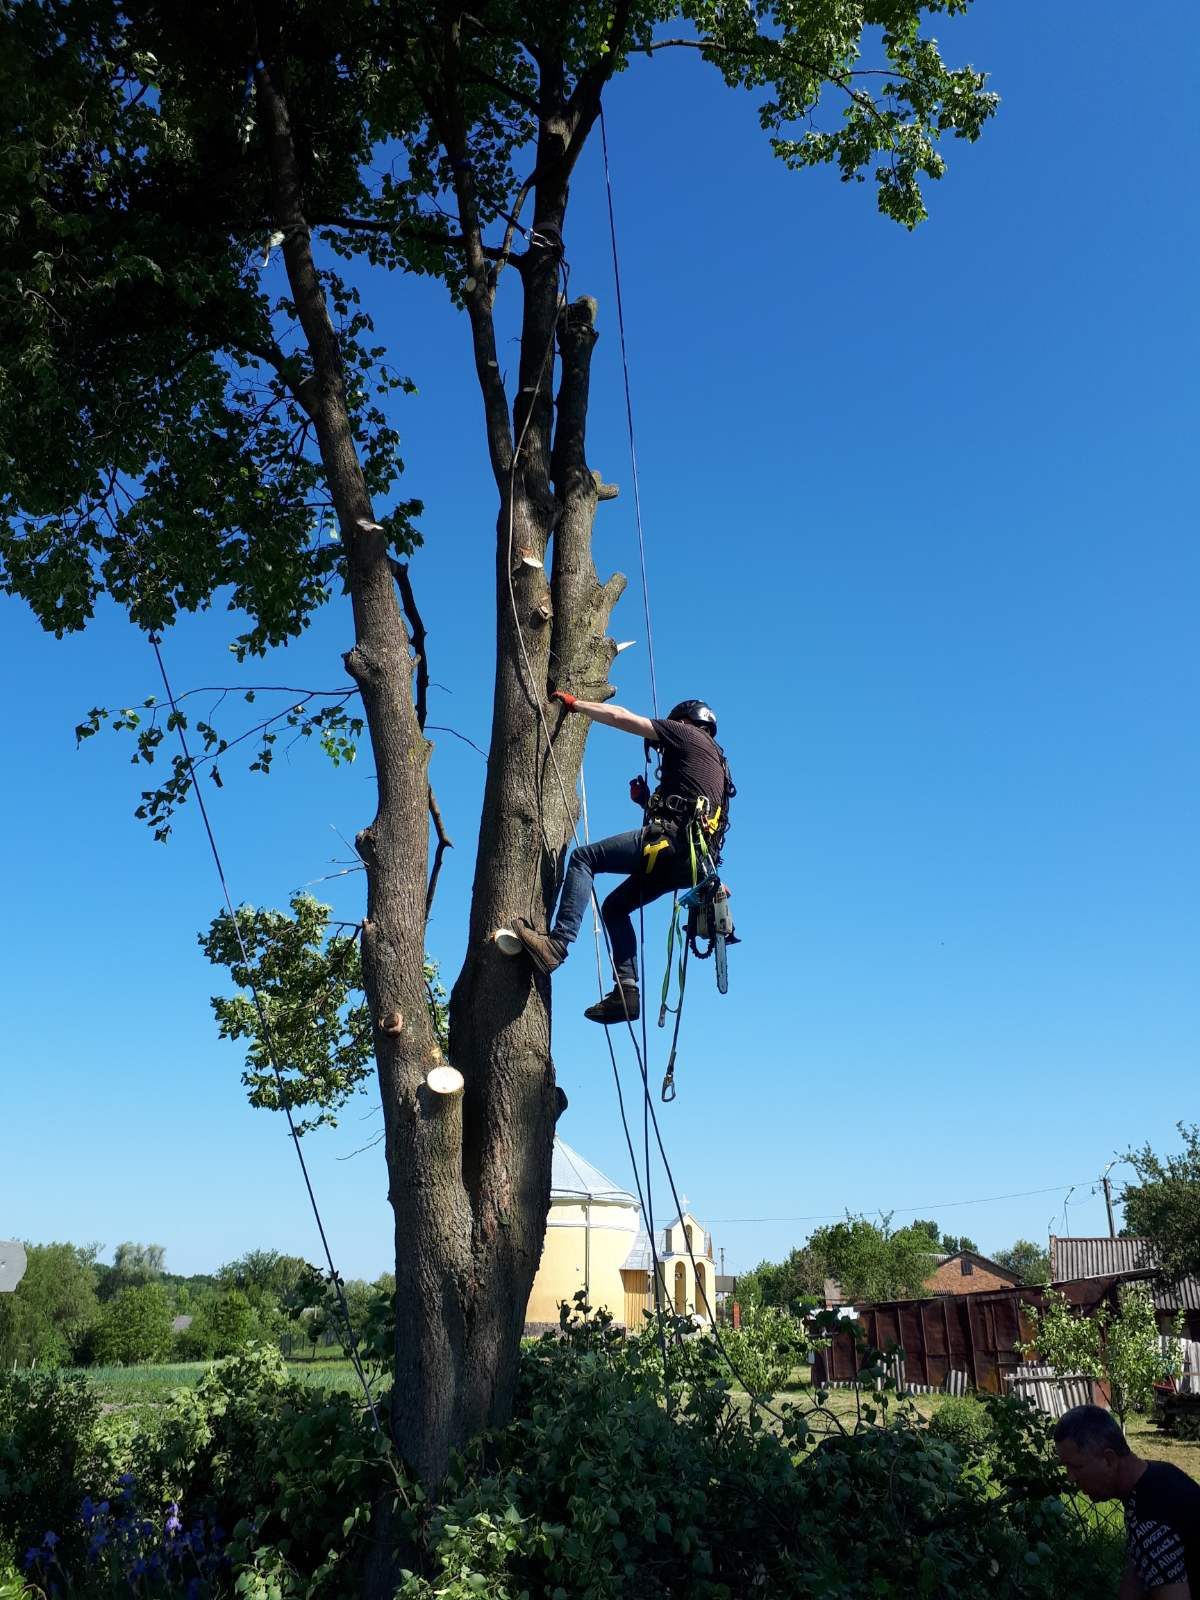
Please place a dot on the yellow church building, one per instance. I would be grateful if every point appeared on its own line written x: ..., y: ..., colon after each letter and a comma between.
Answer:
x: 595, y: 1241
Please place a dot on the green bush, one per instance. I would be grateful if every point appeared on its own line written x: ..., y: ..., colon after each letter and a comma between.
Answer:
x: 601, y: 1487
x: 134, y: 1326
x: 963, y: 1422
x: 252, y: 1445
x: 50, y: 1455
x: 596, y: 1491
x: 45, y: 1322
x: 766, y: 1347
x: 222, y: 1325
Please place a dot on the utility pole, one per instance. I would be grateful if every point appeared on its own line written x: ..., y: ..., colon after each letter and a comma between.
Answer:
x: 722, y: 1260
x: 1107, y: 1183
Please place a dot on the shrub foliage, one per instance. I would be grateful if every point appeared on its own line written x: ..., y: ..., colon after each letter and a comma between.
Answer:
x: 605, y: 1484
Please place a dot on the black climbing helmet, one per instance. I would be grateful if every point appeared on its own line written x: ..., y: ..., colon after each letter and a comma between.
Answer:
x: 695, y: 712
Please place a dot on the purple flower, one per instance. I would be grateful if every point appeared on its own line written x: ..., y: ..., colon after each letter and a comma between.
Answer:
x: 87, y: 1512
x: 173, y: 1523
x: 50, y: 1540
x: 32, y: 1556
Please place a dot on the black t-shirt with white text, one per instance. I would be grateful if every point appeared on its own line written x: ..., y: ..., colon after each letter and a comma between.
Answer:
x: 692, y: 763
x: 1162, y: 1527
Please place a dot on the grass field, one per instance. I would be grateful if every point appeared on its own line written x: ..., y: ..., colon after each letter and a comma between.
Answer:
x: 119, y: 1387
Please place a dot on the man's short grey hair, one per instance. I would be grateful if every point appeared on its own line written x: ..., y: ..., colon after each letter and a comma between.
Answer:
x: 1091, y: 1428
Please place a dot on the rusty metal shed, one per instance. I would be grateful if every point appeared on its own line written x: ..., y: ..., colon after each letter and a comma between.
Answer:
x: 975, y: 1334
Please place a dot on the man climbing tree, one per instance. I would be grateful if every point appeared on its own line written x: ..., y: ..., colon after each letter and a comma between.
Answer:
x: 687, y: 818
x: 175, y: 431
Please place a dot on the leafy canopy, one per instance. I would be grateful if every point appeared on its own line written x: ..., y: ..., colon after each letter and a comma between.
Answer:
x: 156, y: 438
x: 307, y: 973
x: 871, y: 1261
x: 43, y: 1322
x: 1164, y: 1204
x: 1028, y: 1260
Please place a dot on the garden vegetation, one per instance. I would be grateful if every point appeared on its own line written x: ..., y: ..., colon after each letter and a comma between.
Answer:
x: 605, y: 1483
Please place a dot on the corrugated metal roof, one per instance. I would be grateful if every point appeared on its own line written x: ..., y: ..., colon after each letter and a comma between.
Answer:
x: 640, y: 1257
x: 572, y: 1176
x: 1113, y: 1258
x: 1098, y: 1258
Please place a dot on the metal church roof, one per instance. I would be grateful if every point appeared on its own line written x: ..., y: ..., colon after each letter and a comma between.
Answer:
x: 571, y: 1177
x: 641, y: 1257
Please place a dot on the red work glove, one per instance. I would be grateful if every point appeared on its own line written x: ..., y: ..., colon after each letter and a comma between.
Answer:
x: 639, y: 791
x: 568, y: 700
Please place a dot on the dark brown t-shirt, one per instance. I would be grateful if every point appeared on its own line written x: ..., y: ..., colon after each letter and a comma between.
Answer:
x: 691, y: 763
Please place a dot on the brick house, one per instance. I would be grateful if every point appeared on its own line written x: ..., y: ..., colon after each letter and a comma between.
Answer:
x: 967, y: 1272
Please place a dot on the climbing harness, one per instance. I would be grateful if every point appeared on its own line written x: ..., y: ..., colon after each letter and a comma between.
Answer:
x: 709, y: 927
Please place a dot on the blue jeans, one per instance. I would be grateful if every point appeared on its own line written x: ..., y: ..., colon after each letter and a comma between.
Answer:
x: 620, y: 853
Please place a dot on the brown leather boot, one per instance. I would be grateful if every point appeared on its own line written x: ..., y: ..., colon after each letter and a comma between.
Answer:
x: 545, y: 951
x: 623, y: 1004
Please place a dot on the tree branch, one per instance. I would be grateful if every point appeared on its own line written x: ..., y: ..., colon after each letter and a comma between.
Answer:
x: 771, y: 49
x: 417, y: 627
x: 584, y: 104
x: 438, y: 727
x: 402, y: 230
x: 444, y: 843
x: 447, y: 117
x: 518, y: 96
x: 273, y: 356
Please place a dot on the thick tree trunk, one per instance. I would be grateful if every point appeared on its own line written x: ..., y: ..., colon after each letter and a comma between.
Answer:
x: 423, y: 1130
x: 469, y: 1177
x: 500, y: 1011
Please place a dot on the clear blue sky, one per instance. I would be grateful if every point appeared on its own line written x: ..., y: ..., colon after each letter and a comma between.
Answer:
x: 921, y: 522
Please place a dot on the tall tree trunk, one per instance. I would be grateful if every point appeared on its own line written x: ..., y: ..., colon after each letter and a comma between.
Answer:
x: 469, y: 1176
x: 423, y: 1131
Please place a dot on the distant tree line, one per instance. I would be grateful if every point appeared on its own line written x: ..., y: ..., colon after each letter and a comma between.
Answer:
x: 873, y: 1261
x: 71, y: 1309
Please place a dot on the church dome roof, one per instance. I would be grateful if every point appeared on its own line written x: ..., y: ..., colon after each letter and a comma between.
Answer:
x: 573, y: 1178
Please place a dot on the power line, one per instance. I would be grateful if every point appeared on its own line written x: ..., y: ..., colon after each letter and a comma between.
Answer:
x: 930, y: 1205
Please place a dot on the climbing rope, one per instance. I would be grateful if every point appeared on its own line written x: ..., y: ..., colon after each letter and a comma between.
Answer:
x: 641, y: 1052
x: 650, y: 1115
x: 637, y: 493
